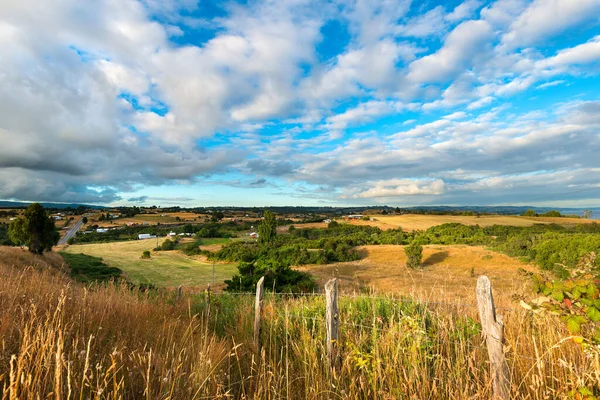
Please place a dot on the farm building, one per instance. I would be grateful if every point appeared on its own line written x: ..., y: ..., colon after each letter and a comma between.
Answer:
x: 354, y: 216
x: 142, y: 236
x: 102, y: 230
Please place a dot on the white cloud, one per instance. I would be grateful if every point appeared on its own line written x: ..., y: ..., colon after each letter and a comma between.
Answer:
x: 585, y: 53
x: 363, y: 112
x: 463, y: 10
x: 460, y: 46
x: 402, y: 187
x: 546, y: 18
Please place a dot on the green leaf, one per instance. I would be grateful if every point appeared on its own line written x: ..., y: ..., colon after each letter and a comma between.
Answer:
x: 558, y: 295
x: 593, y: 313
x: 573, y: 325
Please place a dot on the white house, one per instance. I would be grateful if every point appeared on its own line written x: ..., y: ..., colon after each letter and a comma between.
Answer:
x: 102, y: 230
x: 253, y: 235
x: 142, y: 236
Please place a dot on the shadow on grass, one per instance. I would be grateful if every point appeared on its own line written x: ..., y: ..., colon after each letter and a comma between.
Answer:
x: 436, y: 258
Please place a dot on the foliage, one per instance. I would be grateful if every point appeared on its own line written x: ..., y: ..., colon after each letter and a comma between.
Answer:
x: 167, y: 245
x: 277, y: 275
x: 34, y: 229
x: 414, y: 254
x: 4, y: 237
x: 530, y: 213
x: 267, y: 230
x: 86, y: 268
x: 146, y: 255
x: 576, y: 299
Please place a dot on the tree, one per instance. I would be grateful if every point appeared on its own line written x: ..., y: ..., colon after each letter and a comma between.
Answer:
x: 267, y: 230
x: 587, y: 214
x: 34, y: 229
x: 84, y: 220
x: 414, y: 254
x: 530, y: 213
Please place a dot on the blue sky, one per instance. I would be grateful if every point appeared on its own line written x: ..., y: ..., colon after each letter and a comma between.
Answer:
x: 301, y: 102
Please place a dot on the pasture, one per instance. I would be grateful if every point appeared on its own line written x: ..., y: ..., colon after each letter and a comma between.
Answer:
x: 410, y: 222
x: 163, y: 269
x: 447, y: 272
x: 152, y: 219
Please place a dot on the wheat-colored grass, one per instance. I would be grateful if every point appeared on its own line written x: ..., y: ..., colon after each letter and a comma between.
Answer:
x: 410, y: 222
x: 447, y: 270
x: 63, y: 340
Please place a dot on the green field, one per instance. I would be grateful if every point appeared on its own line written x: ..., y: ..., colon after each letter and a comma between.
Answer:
x: 164, y: 268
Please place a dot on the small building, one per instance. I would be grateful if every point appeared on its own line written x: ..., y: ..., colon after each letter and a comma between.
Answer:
x: 327, y: 220
x: 355, y: 216
x: 102, y: 230
x: 143, y: 236
x: 172, y: 234
x: 253, y: 235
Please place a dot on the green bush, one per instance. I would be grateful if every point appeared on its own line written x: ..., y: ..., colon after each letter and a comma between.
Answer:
x: 146, y: 254
x: 414, y: 254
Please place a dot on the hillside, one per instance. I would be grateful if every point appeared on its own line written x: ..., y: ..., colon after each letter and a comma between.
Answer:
x: 99, y: 342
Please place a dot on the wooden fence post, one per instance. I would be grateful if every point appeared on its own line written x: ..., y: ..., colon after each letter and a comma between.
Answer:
x: 258, y: 305
x: 208, y: 298
x: 179, y: 292
x: 332, y: 320
x: 493, y: 329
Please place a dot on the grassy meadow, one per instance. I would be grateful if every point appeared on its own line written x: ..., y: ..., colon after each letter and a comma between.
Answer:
x: 163, y: 269
x: 448, y: 270
x: 65, y: 340
x: 410, y: 222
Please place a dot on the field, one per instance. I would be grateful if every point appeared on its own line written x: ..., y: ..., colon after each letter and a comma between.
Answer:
x: 410, y: 222
x: 447, y: 271
x: 151, y: 219
x: 109, y: 342
x: 163, y: 269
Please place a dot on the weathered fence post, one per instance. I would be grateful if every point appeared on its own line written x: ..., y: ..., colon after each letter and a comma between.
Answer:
x: 208, y: 298
x: 493, y: 329
x: 179, y: 292
x: 258, y: 305
x: 332, y: 320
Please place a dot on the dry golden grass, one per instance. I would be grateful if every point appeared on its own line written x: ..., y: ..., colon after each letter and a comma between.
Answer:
x: 63, y: 340
x: 410, y: 222
x: 447, y: 271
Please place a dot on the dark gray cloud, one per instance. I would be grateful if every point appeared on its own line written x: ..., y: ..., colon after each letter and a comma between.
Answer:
x: 270, y: 167
x: 139, y: 199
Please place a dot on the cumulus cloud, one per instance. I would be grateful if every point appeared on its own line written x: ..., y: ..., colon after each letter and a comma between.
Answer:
x: 460, y: 46
x: 102, y: 101
x: 545, y: 18
x: 402, y: 187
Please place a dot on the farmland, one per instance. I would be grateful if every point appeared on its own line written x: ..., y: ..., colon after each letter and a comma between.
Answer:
x: 403, y: 331
x: 447, y: 272
x: 163, y: 269
x: 410, y: 222
x: 187, y: 350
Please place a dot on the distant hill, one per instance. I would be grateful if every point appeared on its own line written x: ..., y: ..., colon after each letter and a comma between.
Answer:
x: 17, y: 204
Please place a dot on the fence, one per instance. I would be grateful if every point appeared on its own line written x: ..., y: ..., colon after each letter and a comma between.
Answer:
x: 492, y: 326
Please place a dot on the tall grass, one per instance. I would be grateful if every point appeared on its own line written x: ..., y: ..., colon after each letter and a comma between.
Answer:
x: 61, y: 339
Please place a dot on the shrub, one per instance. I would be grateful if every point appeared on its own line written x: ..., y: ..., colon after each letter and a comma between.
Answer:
x: 146, y: 254
x: 414, y: 254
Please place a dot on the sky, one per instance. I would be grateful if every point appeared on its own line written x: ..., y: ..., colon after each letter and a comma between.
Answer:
x: 300, y: 102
